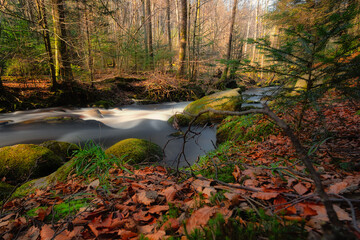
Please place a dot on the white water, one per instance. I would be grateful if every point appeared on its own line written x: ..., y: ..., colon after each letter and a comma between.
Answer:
x: 105, y: 127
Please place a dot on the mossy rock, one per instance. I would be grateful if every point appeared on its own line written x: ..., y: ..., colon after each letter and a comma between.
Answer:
x: 5, y: 190
x: 18, y: 161
x: 244, y: 128
x: 59, y: 175
x: 62, y: 149
x: 229, y: 100
x: 136, y: 150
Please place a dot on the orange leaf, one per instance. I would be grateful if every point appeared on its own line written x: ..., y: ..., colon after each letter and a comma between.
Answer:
x: 338, y: 187
x: 158, y: 208
x: 199, y: 218
x: 125, y: 234
x: 300, y: 188
x: 146, y: 197
x: 156, y: 236
x: 170, y: 193
x: 46, y: 232
x: 308, y: 211
x: 265, y: 195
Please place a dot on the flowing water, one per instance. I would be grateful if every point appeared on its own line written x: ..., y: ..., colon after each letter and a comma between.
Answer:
x: 106, y: 127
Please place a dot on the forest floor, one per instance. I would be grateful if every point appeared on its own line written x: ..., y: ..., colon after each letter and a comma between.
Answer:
x: 251, y: 189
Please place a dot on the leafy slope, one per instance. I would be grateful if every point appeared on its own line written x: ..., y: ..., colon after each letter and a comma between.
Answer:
x: 152, y: 203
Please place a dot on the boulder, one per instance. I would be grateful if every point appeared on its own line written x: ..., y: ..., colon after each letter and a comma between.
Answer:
x: 229, y: 100
x: 5, y: 190
x: 59, y: 175
x: 136, y: 150
x: 62, y: 149
x: 19, y: 161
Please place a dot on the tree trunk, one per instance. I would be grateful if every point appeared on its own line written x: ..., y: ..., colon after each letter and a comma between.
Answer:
x: 256, y: 29
x: 169, y: 31
x: 145, y: 32
x: 228, y: 52
x: 63, y: 57
x: 196, y: 41
x: 149, y: 30
x: 45, y: 34
x: 89, y: 46
x: 183, y: 38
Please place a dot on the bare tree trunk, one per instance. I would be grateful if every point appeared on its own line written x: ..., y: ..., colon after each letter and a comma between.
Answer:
x: 45, y: 34
x: 183, y: 37
x: 256, y: 29
x: 169, y: 30
x: 149, y: 30
x: 196, y: 40
x: 63, y: 56
x: 228, y: 53
x: 89, y: 45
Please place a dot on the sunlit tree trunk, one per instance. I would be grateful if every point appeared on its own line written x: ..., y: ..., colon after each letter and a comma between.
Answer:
x: 63, y: 64
x: 45, y: 33
x: 169, y: 30
x: 89, y: 45
x: 149, y: 30
x: 196, y: 40
x: 183, y: 37
x: 256, y: 29
x: 228, y: 52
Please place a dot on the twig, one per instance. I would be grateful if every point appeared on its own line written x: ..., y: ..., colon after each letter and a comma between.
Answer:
x: 353, y: 215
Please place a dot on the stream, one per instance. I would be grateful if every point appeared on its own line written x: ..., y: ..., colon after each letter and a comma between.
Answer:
x: 108, y: 126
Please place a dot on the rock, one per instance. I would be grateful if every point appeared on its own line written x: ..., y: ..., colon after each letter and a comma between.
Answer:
x: 229, y: 100
x: 62, y: 149
x: 136, y: 150
x: 5, y: 190
x: 18, y: 161
x: 59, y: 175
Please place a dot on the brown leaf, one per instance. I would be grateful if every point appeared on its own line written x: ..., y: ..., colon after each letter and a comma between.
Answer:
x: 142, y: 216
x: 158, y: 208
x: 170, y: 193
x: 200, y: 218
x: 300, y: 188
x: 125, y: 234
x: 338, y: 187
x: 46, y: 232
x: 172, y: 224
x: 156, y: 236
x: 265, y: 195
x: 146, y: 197
x: 67, y: 235
x: 145, y: 229
x: 237, y: 173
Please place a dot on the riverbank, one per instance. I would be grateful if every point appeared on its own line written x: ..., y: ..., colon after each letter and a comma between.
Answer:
x: 107, y: 91
x: 252, y: 186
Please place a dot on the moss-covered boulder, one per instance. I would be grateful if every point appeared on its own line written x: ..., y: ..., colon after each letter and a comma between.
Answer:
x: 5, y: 190
x: 136, y: 150
x: 229, y: 100
x: 62, y: 149
x: 19, y: 161
x: 59, y: 175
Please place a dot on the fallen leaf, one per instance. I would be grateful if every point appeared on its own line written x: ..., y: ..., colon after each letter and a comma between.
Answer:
x: 265, y: 195
x: 208, y: 191
x: 146, y: 197
x: 170, y: 193
x: 199, y: 218
x: 145, y: 229
x: 46, y: 232
x: 32, y: 234
x: 338, y: 187
x: 237, y: 173
x: 125, y: 234
x: 156, y: 236
x: 172, y: 224
x: 300, y: 189
x: 158, y: 209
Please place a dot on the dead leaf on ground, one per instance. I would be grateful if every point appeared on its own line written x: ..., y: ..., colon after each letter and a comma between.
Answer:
x: 338, y: 187
x: 265, y: 195
x: 156, y: 236
x: 158, y: 209
x: 300, y: 189
x: 46, y: 232
x: 200, y: 218
x: 146, y: 197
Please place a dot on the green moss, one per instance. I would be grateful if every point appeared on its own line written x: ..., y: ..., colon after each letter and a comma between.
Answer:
x: 17, y: 162
x: 62, y: 210
x: 226, y: 101
x: 244, y: 128
x: 103, y: 104
x: 59, y: 175
x: 136, y: 150
x: 5, y: 190
x: 182, y: 119
x: 61, y: 149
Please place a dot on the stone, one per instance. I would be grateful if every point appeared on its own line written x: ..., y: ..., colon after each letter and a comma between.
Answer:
x: 136, y: 150
x: 20, y: 161
x: 62, y: 149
